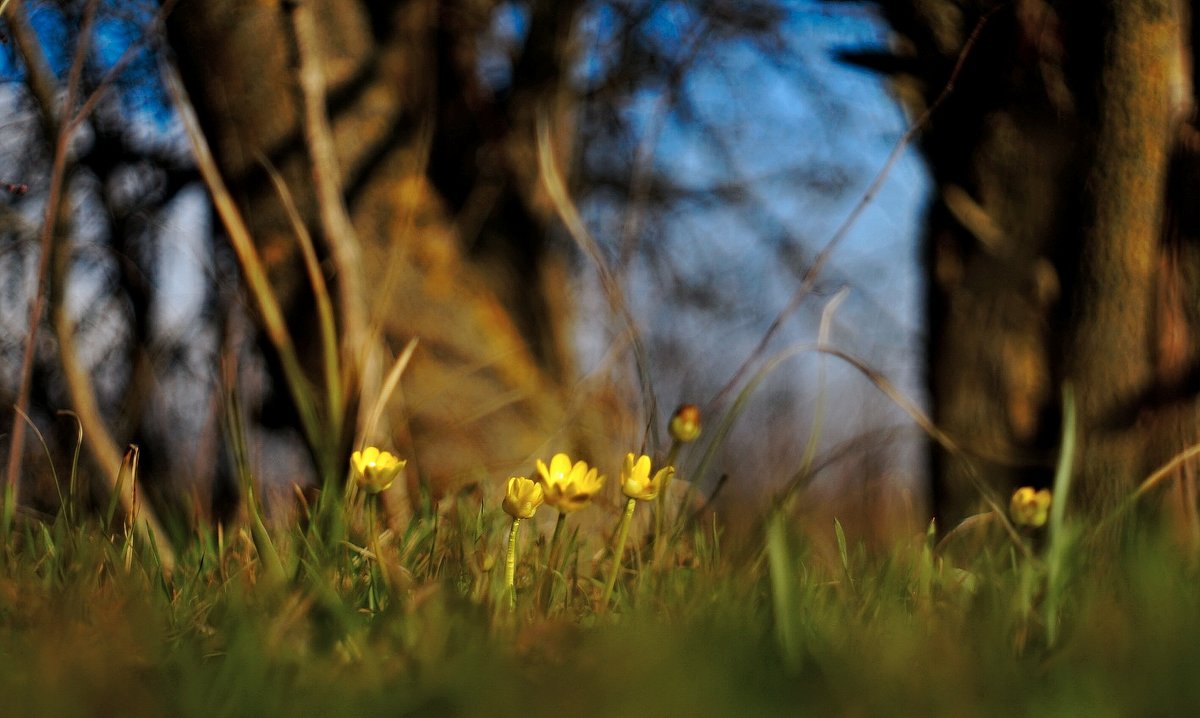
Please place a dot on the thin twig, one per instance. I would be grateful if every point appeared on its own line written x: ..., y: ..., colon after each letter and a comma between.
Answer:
x: 942, y: 438
x: 130, y: 54
x: 643, y: 159
x: 41, y: 83
x: 40, y: 80
x: 54, y: 263
x: 809, y: 279
x: 567, y: 212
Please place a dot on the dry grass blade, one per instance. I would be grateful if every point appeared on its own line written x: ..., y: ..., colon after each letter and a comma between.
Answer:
x: 270, y: 313
x: 72, y: 505
x: 385, y: 393
x: 889, y: 390
x: 56, y: 260
x: 316, y: 279
x: 1166, y: 470
x: 823, y: 334
x: 565, y: 206
x: 909, y: 407
x: 1151, y: 482
x: 79, y: 383
x: 45, y: 448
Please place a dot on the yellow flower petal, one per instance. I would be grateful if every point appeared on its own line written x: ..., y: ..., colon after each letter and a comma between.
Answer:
x: 568, y: 487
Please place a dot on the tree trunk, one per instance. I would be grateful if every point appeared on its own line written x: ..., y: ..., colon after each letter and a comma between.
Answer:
x: 441, y: 191
x: 1049, y: 261
x: 1110, y: 343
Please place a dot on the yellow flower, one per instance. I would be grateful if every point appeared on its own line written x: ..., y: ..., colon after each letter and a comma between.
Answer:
x: 1030, y: 507
x: 685, y: 424
x: 522, y: 498
x: 636, y: 481
x: 375, y: 470
x: 568, y: 487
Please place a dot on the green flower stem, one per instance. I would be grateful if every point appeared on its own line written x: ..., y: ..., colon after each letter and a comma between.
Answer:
x: 510, y: 564
x: 618, y: 553
x: 545, y: 587
x: 552, y: 560
x: 660, y: 506
x: 373, y: 534
x: 557, y: 535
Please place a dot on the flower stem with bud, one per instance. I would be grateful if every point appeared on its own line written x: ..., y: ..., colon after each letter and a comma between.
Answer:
x: 510, y: 565
x: 373, y: 535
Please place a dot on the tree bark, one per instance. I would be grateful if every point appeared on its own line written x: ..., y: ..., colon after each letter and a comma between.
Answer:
x: 1049, y: 259
x: 1110, y: 345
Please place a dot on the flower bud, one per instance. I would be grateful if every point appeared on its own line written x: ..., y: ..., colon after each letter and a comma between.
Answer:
x: 522, y: 498
x: 1029, y: 507
x: 685, y: 424
x: 636, y: 481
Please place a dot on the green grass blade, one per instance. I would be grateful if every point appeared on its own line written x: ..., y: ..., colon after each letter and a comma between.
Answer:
x: 1059, y: 539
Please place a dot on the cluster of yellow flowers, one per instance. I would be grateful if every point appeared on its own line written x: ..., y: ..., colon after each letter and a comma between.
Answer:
x: 566, y: 485
x: 569, y: 487
x: 562, y: 484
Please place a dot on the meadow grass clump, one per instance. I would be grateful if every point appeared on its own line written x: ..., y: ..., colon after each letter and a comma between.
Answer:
x: 414, y: 617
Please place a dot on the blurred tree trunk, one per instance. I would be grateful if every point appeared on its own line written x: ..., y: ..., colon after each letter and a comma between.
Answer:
x: 440, y: 179
x: 1053, y: 253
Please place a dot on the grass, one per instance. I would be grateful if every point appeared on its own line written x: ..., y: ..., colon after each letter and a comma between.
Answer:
x: 89, y: 625
x: 331, y: 617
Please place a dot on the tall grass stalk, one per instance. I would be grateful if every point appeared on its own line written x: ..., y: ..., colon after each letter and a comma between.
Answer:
x: 1061, y: 537
x: 618, y: 553
x: 784, y: 602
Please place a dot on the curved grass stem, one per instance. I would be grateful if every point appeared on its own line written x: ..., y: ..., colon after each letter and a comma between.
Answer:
x: 618, y: 553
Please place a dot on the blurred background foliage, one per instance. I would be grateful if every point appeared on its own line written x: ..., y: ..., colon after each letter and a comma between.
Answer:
x: 712, y: 148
